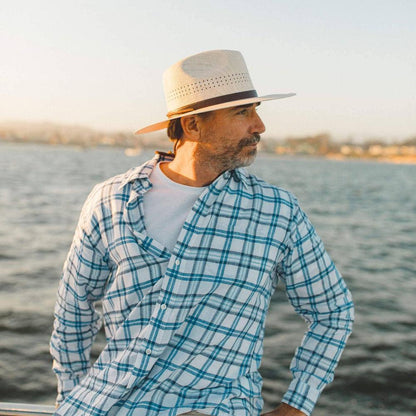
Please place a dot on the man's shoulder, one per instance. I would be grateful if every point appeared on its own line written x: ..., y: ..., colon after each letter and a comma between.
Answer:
x: 261, y: 188
x: 117, y: 182
x: 119, y: 186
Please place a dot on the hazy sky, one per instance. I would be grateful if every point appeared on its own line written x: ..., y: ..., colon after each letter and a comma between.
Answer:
x: 100, y: 63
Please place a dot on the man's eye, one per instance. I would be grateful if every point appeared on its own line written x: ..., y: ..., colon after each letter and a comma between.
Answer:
x: 243, y: 111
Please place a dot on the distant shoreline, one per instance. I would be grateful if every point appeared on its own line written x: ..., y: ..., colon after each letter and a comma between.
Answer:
x: 320, y: 145
x: 135, y: 150
x: 397, y: 160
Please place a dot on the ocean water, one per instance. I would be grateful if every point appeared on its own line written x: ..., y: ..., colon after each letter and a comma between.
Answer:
x: 364, y: 211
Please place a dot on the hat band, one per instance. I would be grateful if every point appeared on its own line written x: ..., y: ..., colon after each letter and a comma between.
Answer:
x: 214, y: 101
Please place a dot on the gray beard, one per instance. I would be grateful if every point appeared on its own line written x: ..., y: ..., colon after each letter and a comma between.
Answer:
x: 235, y: 159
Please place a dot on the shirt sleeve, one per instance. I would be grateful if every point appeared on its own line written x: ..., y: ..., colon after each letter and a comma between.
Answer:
x: 76, y: 319
x: 318, y: 293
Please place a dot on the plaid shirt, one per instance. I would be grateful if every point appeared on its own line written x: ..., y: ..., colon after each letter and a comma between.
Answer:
x: 185, y: 328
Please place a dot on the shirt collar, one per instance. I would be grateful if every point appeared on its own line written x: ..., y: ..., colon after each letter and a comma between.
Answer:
x: 143, y: 172
x: 240, y: 175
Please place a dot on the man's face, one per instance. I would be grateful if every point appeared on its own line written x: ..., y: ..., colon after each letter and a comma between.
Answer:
x: 229, y: 137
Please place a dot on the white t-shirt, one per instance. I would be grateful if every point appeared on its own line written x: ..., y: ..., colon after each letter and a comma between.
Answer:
x: 166, y: 207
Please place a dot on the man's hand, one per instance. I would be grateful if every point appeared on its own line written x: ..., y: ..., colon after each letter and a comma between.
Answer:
x: 284, y: 410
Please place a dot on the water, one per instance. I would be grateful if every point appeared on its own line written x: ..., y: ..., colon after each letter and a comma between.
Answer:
x: 365, y: 212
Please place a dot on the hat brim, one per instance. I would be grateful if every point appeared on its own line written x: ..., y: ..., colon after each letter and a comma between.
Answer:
x: 164, y: 124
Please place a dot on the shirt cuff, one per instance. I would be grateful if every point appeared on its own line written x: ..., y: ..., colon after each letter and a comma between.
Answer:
x: 302, y: 396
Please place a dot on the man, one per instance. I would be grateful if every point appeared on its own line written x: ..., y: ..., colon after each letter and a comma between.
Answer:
x: 185, y: 252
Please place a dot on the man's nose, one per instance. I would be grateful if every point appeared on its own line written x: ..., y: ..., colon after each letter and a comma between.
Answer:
x: 257, y: 125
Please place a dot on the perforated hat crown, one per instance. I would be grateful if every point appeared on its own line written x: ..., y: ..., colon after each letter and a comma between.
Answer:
x: 205, y: 82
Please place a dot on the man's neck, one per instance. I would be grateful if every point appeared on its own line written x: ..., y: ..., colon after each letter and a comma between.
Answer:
x: 187, y: 169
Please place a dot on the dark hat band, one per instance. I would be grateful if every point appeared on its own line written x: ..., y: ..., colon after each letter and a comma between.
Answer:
x: 214, y: 101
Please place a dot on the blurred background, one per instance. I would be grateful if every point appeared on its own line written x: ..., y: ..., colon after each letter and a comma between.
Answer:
x: 76, y: 79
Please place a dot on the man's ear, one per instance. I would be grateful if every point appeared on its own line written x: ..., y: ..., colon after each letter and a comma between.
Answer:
x: 190, y: 126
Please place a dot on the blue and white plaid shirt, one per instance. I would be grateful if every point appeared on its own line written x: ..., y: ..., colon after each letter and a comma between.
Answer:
x: 185, y: 328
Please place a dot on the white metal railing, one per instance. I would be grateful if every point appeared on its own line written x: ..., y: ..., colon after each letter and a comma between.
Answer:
x: 13, y: 409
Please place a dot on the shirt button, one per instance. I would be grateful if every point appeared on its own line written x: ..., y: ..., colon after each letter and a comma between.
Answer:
x: 163, y: 306
x: 177, y: 262
x: 148, y: 351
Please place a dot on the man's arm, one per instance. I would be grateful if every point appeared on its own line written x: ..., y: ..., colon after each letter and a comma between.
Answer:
x: 76, y: 320
x: 318, y: 293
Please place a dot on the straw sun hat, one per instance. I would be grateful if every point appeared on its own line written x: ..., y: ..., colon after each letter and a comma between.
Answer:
x: 205, y: 82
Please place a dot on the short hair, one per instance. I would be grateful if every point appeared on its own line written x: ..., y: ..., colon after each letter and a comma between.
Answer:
x: 175, y: 131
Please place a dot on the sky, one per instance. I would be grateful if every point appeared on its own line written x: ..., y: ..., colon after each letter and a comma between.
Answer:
x: 99, y: 63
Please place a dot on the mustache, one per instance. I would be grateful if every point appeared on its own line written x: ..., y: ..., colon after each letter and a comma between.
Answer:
x: 254, y: 139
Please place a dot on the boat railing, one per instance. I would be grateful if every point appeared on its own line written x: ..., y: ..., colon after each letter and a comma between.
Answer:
x: 13, y: 409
